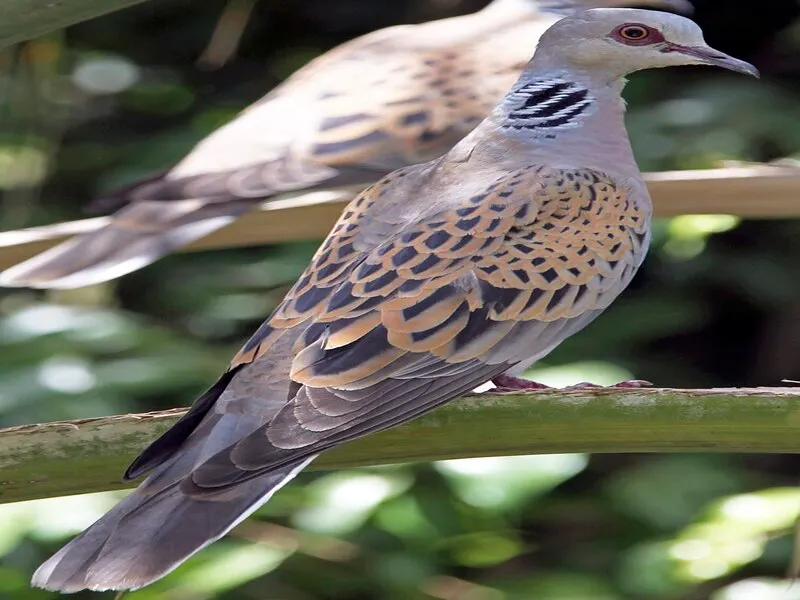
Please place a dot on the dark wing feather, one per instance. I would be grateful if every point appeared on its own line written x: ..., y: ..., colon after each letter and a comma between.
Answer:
x: 171, y: 440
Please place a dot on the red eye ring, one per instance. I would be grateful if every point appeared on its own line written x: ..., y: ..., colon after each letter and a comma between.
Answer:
x: 636, y: 34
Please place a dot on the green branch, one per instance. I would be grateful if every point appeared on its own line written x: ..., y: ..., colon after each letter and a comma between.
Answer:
x: 25, y: 19
x: 39, y: 461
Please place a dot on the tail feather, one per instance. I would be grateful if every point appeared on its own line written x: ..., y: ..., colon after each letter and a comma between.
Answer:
x: 146, y: 536
x: 165, y: 521
x: 136, y: 236
x: 160, y: 214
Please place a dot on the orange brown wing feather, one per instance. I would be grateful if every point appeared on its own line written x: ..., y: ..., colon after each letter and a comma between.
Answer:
x: 444, y: 304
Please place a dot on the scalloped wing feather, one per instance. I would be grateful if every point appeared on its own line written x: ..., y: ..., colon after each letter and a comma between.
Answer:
x: 388, y: 330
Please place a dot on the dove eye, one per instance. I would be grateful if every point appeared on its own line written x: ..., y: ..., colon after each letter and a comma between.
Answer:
x: 635, y: 34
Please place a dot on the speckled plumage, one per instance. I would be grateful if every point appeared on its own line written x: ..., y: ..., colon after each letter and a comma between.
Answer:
x: 392, y: 98
x: 434, y: 280
x: 538, y: 245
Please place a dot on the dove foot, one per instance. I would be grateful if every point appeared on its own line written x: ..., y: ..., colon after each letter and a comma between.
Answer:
x: 629, y: 384
x: 508, y: 382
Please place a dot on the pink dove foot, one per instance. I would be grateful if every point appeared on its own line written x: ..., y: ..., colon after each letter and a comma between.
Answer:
x: 629, y: 384
x: 509, y: 383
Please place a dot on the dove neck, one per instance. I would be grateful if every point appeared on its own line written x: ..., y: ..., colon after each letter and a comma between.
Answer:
x: 562, y: 116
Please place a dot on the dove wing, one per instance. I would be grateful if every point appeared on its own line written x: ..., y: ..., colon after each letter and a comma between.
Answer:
x: 440, y: 306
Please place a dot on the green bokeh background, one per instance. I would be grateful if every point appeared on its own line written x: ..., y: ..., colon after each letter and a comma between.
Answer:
x: 717, y: 304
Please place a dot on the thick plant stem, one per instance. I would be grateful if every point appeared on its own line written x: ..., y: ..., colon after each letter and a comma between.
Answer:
x: 53, y: 459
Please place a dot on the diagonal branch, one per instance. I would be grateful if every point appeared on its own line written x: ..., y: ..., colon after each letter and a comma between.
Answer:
x: 25, y: 19
x: 39, y: 461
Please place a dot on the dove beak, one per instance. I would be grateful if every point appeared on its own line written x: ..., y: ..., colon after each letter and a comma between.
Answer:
x: 705, y: 55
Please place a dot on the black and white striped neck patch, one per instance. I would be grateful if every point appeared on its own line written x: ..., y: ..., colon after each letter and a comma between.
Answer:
x: 548, y: 104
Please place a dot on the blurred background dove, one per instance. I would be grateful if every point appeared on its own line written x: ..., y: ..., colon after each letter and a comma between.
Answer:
x: 394, y: 97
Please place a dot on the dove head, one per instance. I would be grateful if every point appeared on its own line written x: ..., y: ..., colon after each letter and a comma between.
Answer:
x: 613, y: 42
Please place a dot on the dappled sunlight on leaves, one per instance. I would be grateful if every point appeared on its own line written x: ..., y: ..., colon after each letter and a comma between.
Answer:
x: 734, y: 532
x: 503, y: 483
x: 52, y: 518
x: 668, y: 491
x: 759, y: 589
x: 596, y: 372
x: 22, y: 166
x: 343, y: 501
x: 687, y: 234
x: 105, y: 74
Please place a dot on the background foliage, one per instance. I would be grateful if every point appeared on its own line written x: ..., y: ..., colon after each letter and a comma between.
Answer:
x: 101, y: 103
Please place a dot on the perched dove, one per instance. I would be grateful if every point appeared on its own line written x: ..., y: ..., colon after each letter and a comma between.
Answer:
x: 395, y: 97
x: 436, y: 279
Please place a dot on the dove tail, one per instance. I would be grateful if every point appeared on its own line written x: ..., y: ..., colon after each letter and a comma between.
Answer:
x: 167, y: 519
x: 134, y: 237
x: 147, y: 535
